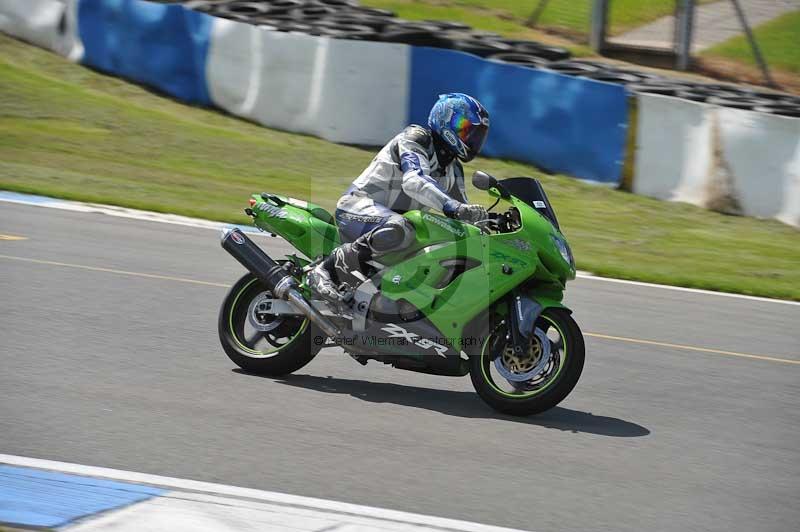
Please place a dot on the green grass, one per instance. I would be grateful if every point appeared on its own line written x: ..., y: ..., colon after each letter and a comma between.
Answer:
x: 70, y: 132
x: 491, y: 18
x: 509, y: 16
x: 778, y: 39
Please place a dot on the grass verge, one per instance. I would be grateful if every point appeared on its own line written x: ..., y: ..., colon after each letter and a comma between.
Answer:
x: 778, y: 40
x: 70, y: 132
x: 489, y: 16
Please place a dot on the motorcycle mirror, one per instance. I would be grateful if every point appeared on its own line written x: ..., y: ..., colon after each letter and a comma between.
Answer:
x: 483, y: 181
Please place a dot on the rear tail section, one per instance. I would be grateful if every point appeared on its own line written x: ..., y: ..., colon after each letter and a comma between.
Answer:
x: 308, y: 227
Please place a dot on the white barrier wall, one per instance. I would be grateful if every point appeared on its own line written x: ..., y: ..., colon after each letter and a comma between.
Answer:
x: 51, y: 24
x: 728, y: 160
x: 339, y: 90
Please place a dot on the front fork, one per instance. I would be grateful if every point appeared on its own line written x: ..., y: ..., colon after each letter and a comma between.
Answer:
x: 522, y: 315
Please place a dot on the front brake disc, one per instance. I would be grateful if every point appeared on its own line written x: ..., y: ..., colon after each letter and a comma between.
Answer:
x: 540, y: 364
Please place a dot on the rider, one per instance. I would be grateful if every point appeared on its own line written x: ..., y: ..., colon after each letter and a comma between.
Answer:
x: 417, y: 169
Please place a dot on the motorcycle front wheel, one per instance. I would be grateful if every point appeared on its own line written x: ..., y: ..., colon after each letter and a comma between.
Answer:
x: 539, y: 378
x: 260, y: 342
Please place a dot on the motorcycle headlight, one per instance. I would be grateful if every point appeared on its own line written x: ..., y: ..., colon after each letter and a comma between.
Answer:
x: 563, y: 249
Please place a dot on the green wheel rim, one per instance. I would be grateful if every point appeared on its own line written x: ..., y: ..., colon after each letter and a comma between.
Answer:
x: 485, y: 363
x: 259, y: 354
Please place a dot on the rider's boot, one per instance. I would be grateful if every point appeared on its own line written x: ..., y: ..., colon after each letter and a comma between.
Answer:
x: 345, y: 264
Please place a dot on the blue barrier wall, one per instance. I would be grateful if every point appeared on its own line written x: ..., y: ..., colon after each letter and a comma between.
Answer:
x: 163, y: 46
x: 559, y: 123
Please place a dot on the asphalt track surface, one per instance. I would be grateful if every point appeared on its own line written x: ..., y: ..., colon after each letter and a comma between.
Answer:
x: 109, y: 357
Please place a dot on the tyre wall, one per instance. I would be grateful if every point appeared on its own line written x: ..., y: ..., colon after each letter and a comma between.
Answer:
x: 51, y: 24
x: 160, y: 45
x: 344, y: 91
x: 562, y: 124
x: 729, y: 160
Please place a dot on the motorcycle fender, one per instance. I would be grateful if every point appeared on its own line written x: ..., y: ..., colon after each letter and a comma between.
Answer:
x: 530, y: 307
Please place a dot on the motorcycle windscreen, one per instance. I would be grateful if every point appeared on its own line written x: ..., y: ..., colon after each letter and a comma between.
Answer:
x: 530, y: 191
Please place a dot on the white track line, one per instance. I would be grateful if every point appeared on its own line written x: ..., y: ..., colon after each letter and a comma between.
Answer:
x: 249, y: 493
x: 123, y: 212
x: 111, y: 210
x: 590, y: 277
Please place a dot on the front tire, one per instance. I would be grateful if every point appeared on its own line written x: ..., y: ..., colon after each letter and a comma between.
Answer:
x: 262, y: 343
x: 547, y: 382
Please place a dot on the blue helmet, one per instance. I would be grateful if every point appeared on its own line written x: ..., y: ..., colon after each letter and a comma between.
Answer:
x: 461, y: 122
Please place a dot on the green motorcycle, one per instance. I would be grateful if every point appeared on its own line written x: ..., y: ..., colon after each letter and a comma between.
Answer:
x: 482, y: 299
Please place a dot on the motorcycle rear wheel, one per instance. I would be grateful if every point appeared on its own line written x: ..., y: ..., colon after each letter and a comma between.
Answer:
x: 262, y: 343
x: 494, y: 361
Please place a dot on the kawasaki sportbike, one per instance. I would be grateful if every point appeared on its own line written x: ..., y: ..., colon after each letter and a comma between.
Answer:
x: 482, y: 299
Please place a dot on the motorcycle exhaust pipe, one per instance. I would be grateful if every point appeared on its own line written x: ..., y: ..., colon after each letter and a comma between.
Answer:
x: 278, y: 280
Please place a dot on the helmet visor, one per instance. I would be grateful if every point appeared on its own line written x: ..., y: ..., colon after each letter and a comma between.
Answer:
x: 474, y: 137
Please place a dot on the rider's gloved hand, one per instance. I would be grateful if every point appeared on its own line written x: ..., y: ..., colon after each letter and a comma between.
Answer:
x: 465, y: 212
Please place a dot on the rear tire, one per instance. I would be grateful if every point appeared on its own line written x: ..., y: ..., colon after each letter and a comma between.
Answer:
x: 528, y: 399
x: 264, y: 354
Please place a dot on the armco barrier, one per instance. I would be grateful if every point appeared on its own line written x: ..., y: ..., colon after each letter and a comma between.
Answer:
x: 164, y: 46
x: 729, y: 160
x: 51, y: 24
x: 560, y: 123
x: 344, y: 91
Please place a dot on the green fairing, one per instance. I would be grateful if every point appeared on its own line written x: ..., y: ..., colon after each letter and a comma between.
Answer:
x: 526, y: 257
x: 451, y: 308
x: 306, y: 225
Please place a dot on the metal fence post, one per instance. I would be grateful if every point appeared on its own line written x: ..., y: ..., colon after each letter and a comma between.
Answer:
x: 597, y: 36
x: 684, y: 36
x: 762, y: 64
x: 533, y: 19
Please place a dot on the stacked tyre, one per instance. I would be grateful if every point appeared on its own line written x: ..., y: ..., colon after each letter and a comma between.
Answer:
x: 722, y: 94
x: 347, y: 19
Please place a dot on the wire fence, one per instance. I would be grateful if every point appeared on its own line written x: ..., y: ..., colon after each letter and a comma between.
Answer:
x: 573, y: 18
x: 739, y: 34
